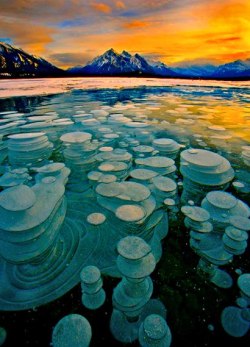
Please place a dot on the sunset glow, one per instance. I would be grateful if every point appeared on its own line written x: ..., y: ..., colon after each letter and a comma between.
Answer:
x: 72, y: 32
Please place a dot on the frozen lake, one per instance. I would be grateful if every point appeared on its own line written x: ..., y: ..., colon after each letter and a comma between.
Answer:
x: 27, y: 87
x: 166, y: 161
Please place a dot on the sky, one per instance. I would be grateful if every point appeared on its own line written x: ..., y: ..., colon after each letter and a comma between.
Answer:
x: 73, y: 32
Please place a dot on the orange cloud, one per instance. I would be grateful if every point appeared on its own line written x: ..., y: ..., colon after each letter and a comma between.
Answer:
x: 120, y: 5
x: 33, y: 41
x: 175, y: 30
x: 213, y: 31
x: 101, y: 7
x: 136, y: 24
x: 233, y: 56
x: 224, y: 39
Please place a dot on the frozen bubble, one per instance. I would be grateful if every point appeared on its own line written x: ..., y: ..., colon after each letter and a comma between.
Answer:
x: 109, y: 190
x: 106, y: 149
x: 154, y: 331
x: 201, y: 158
x: 169, y: 202
x: 233, y: 323
x: 143, y: 174
x: 133, y: 248
x: 96, y: 218
x: 210, y: 327
x: 18, y: 198
x: 73, y: 330
x: 240, y: 222
x: 221, y: 200
x: 76, y: 137
x: 196, y: 213
x: 130, y: 213
x: 238, y: 184
x: 244, y: 284
x: 90, y: 274
x: 241, y: 302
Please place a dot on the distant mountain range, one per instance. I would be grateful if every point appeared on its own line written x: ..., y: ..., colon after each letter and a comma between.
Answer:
x: 112, y: 63
x: 235, y: 69
x: 17, y: 63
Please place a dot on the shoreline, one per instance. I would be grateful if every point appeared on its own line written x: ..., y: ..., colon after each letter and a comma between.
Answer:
x: 47, y: 86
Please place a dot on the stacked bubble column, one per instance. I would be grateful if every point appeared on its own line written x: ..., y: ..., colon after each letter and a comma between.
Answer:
x: 33, y: 241
x: 28, y: 231
x: 222, y: 206
x: 172, y: 209
x: 13, y: 177
x: 93, y: 295
x: 79, y: 153
x: 163, y: 188
x: 203, y: 171
x: 134, y: 209
x: 167, y: 147
x: 28, y: 149
x: 162, y: 165
x: 207, y: 245
x: 135, y: 263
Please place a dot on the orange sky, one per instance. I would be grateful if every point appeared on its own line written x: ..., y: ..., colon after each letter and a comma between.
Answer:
x: 72, y: 32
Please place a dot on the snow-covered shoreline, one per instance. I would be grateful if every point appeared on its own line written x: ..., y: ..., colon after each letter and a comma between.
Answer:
x: 47, y: 86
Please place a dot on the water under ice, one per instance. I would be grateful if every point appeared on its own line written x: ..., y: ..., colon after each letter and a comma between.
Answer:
x: 158, y: 176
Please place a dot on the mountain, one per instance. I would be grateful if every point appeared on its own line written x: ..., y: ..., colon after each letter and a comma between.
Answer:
x: 112, y: 63
x: 192, y: 70
x: 236, y: 69
x: 161, y: 69
x: 14, y: 62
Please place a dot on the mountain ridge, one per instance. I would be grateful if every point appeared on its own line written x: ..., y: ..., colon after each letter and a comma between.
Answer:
x: 15, y: 62
x: 112, y: 63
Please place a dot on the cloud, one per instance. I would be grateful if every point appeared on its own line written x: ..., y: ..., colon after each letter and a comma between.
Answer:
x: 197, y: 62
x: 169, y: 30
x: 69, y: 59
x: 155, y: 56
x: 101, y: 7
x: 130, y: 13
x: 134, y: 24
x: 120, y: 5
x: 231, y: 56
x: 222, y: 40
x: 33, y: 39
x: 42, y: 10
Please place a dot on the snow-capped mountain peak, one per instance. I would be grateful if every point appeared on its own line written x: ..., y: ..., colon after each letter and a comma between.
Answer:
x: 126, y: 54
x: 113, y: 63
